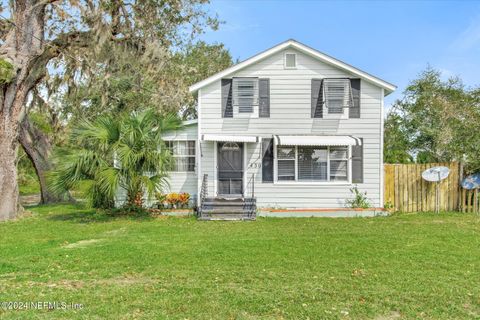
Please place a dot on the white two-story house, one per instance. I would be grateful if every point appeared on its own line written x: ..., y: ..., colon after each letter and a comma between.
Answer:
x: 291, y: 127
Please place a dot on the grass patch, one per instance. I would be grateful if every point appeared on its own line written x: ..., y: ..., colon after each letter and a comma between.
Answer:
x: 122, y: 267
x: 29, y: 185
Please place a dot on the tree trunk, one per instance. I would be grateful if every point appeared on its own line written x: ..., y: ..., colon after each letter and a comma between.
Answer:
x: 38, y: 147
x: 9, y: 197
x: 23, y: 48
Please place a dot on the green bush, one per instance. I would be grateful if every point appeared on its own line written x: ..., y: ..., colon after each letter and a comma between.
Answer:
x: 359, y: 200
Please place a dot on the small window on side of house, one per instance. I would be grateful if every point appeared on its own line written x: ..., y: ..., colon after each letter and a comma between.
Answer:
x: 290, y: 60
x: 183, y: 155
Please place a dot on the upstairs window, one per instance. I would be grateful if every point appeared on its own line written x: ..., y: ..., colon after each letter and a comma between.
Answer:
x: 337, y: 94
x: 245, y: 94
x: 183, y: 153
x: 290, y: 60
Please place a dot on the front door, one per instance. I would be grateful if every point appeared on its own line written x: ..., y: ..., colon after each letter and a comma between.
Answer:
x: 230, y: 168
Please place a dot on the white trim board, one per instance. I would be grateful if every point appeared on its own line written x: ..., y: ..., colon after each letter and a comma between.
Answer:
x: 199, y: 148
x: 388, y: 87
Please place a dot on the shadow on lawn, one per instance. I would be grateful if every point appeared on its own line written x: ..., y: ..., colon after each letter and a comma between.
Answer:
x: 92, y: 217
x: 80, y: 214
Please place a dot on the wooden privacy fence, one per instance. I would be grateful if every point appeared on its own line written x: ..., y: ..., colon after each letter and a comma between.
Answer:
x: 406, y: 191
x: 470, y: 202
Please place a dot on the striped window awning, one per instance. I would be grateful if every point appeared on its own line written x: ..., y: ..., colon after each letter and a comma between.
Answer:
x: 317, y: 141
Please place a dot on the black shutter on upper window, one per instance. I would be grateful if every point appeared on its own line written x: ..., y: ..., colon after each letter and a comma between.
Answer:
x: 267, y: 160
x: 317, y: 98
x: 357, y: 163
x: 227, y: 105
x: 354, y: 111
x: 264, y: 98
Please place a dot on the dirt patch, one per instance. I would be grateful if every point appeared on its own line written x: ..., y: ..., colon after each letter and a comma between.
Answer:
x: 115, y: 232
x: 82, y: 243
x: 125, y: 281
x: 76, y: 284
x: 30, y: 200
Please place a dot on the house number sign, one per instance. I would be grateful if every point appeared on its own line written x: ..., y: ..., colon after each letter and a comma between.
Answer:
x: 254, y: 165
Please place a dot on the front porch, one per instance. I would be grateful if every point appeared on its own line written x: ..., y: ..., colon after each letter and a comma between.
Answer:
x: 233, y: 194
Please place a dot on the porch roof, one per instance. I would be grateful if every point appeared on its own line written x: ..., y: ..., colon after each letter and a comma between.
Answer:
x: 317, y: 140
x: 230, y: 138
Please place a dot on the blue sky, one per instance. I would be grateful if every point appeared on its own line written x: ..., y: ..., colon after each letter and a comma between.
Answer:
x: 392, y: 40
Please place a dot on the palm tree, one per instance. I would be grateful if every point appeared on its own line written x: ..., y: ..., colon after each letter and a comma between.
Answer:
x: 112, y: 154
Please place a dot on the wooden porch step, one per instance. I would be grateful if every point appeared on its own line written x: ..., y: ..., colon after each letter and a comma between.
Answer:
x: 225, y: 217
x: 220, y: 208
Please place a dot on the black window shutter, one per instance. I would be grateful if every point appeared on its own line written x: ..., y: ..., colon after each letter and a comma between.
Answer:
x: 267, y: 160
x: 264, y: 98
x: 317, y: 98
x: 227, y: 106
x: 357, y: 163
x: 354, y: 112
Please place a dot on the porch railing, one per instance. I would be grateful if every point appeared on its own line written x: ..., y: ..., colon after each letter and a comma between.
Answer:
x: 250, y: 200
x: 203, y: 193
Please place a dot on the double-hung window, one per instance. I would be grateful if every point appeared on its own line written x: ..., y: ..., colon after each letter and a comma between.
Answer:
x: 286, y: 163
x: 338, y: 163
x: 183, y: 154
x: 312, y: 164
x: 337, y: 94
x: 245, y: 94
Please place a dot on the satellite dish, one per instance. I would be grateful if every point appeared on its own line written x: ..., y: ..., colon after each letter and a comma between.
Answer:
x: 435, y: 174
x: 471, y: 182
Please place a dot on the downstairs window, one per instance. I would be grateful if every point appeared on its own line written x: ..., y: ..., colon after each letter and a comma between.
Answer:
x: 312, y: 164
x: 183, y: 153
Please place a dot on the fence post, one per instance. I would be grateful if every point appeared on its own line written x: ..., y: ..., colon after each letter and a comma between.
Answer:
x: 475, y: 201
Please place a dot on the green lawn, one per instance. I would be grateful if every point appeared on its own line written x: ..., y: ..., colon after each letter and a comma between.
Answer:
x: 29, y: 186
x: 411, y: 266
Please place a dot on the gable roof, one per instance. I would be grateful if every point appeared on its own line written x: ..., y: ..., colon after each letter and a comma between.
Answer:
x: 389, y: 88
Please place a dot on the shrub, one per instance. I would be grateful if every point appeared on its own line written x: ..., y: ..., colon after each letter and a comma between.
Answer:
x: 359, y: 200
x: 112, y: 153
x: 173, y: 200
x: 183, y: 199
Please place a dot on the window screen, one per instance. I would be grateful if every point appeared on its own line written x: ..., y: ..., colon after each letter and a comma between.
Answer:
x: 245, y: 94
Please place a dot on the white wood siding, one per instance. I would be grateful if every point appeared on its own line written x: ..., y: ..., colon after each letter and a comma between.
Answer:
x: 290, y: 107
x: 184, y: 181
